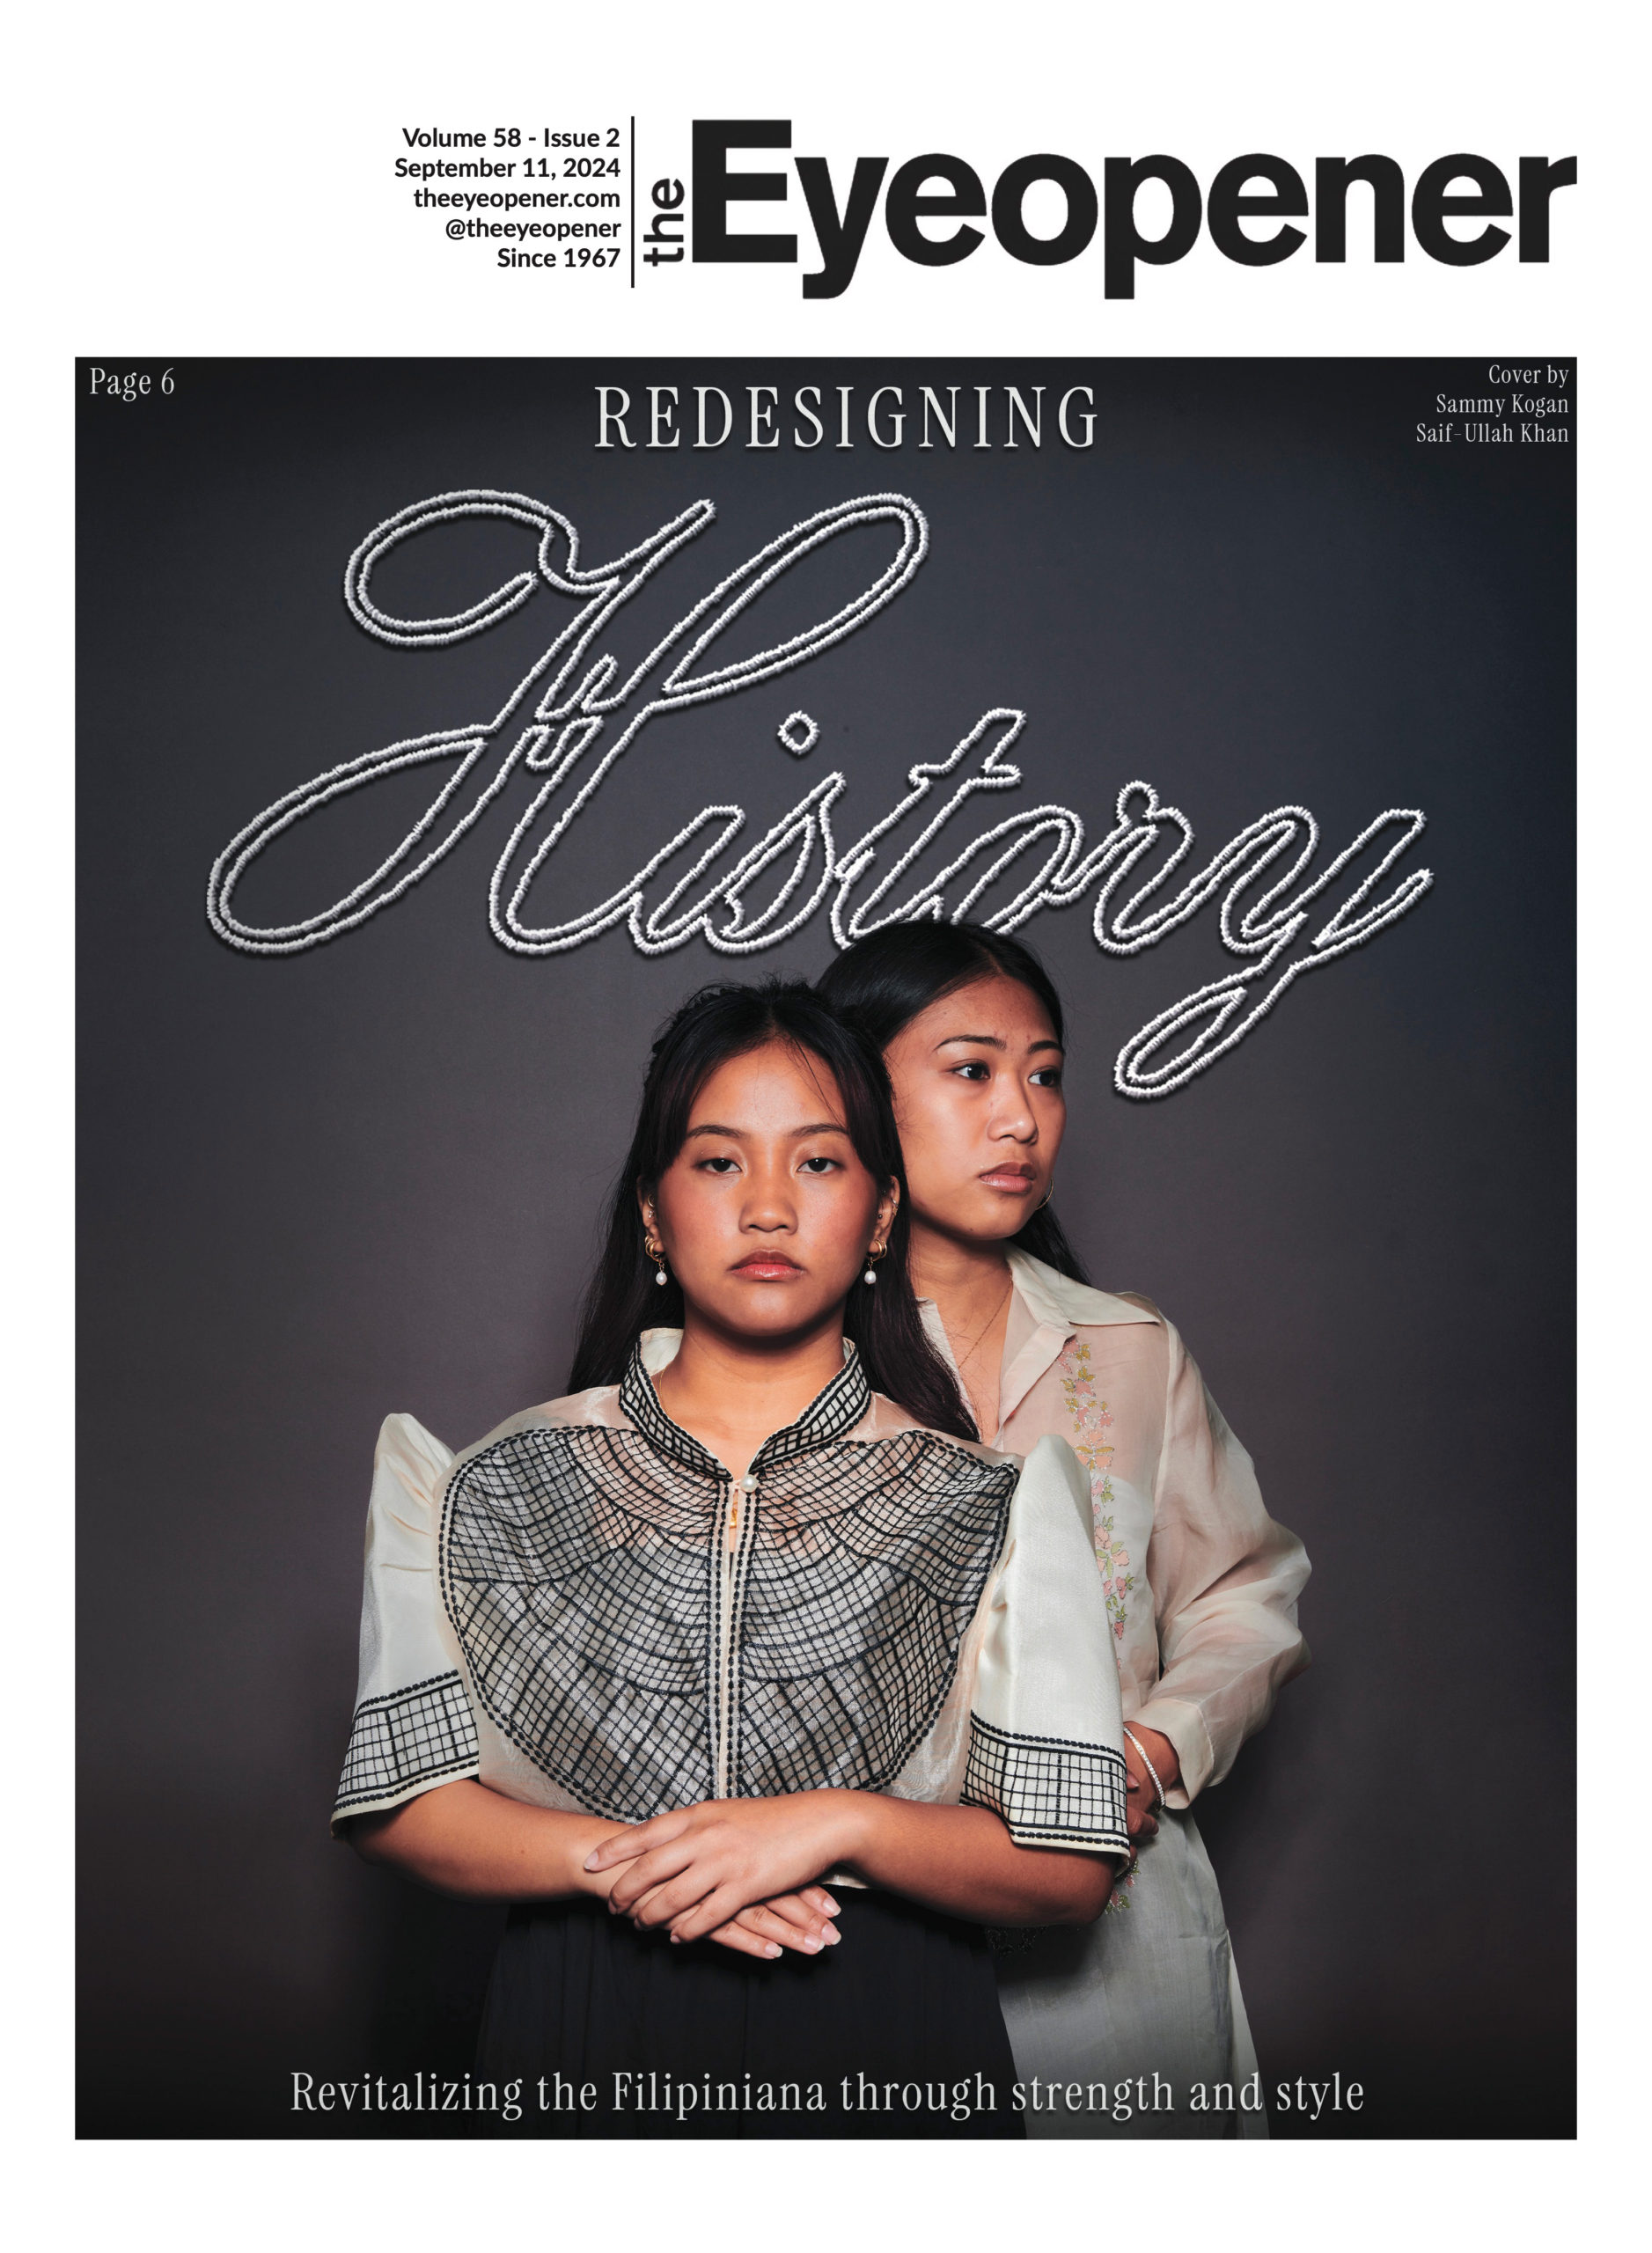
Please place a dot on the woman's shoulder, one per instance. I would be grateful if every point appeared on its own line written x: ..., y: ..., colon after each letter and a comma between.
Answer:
x: 599, y: 1404
x: 407, y: 1444
x: 1061, y: 1298
x: 410, y: 1463
x: 885, y: 1419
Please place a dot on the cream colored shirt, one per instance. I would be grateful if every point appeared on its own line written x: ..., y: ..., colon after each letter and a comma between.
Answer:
x: 1200, y: 1584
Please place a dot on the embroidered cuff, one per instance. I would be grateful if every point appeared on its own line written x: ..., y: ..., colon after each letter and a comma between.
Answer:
x: 402, y: 1744
x: 1049, y: 1791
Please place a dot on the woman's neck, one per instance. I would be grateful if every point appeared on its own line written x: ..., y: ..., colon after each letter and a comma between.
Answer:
x: 970, y: 1284
x: 732, y: 1393
x: 965, y: 1277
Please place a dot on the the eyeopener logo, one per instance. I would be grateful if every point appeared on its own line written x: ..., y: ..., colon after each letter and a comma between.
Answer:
x: 552, y: 725
x: 930, y: 201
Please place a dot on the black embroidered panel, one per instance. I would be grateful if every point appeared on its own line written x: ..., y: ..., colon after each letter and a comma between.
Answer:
x: 412, y: 1736
x: 1049, y: 1790
x: 575, y: 1566
x: 868, y: 1567
x: 584, y: 1573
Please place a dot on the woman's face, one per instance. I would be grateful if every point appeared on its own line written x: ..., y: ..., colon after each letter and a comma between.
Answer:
x: 977, y: 1078
x: 767, y: 1213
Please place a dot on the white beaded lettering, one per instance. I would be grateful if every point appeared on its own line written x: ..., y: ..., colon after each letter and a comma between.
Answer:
x: 557, y: 713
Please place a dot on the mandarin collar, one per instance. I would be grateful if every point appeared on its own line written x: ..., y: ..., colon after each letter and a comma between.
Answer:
x: 835, y: 1409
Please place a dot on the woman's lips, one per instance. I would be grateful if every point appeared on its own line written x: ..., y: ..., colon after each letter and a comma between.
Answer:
x: 767, y: 1267
x: 1018, y: 1179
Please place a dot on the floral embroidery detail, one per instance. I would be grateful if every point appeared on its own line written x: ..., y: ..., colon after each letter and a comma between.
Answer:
x: 1092, y: 1419
x: 1120, y: 1898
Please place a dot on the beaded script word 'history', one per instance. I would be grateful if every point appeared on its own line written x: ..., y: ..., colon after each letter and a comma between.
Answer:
x: 571, y: 718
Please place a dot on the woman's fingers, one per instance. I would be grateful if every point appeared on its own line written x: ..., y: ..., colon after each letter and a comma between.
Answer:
x: 797, y: 1909
x: 641, y: 1877
x: 618, y: 1846
x: 665, y: 1903
x: 639, y: 1839
x: 791, y: 1923
x: 744, y: 1942
x: 800, y: 1921
x: 721, y: 1906
x: 818, y: 1897
x: 676, y: 1864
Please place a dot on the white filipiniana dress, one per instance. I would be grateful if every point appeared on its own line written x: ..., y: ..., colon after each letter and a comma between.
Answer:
x: 1200, y: 1587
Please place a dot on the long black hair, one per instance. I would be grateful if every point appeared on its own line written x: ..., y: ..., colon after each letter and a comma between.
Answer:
x: 623, y: 1300
x: 886, y: 979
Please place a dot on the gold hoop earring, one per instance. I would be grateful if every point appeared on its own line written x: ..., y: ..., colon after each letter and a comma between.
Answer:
x: 1045, y: 1200
x: 655, y: 1251
x: 875, y: 1252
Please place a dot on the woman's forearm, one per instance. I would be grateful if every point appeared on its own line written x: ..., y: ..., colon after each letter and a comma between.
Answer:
x: 476, y: 1844
x: 463, y: 1839
x: 962, y: 1861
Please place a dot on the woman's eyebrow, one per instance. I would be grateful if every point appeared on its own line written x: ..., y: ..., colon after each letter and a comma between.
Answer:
x: 744, y: 1133
x: 991, y: 1040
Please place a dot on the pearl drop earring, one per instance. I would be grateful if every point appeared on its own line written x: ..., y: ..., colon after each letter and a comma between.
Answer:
x: 873, y: 1256
x: 656, y: 1252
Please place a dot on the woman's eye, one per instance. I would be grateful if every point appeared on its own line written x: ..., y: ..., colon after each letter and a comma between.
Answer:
x: 819, y: 1165
x: 972, y: 1071
x: 1049, y: 1077
x: 719, y: 1165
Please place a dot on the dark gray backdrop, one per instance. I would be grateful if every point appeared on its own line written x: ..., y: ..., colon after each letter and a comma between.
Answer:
x: 319, y: 1188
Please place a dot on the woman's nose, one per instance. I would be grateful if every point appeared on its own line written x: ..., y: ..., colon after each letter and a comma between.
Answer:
x: 1013, y: 1117
x: 769, y: 1207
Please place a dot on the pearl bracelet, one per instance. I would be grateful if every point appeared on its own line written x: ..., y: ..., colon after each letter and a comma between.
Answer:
x: 1148, y: 1764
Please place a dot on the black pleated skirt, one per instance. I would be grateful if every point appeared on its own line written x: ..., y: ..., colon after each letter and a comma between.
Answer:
x: 896, y: 2031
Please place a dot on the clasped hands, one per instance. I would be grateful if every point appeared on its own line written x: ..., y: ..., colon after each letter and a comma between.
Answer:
x: 739, y: 1872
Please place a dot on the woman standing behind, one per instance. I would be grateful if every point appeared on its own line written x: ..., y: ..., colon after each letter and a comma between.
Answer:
x: 1200, y: 1584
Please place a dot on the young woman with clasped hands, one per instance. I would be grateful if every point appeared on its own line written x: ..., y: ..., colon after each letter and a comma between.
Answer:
x: 664, y: 1661
x: 1200, y: 1583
